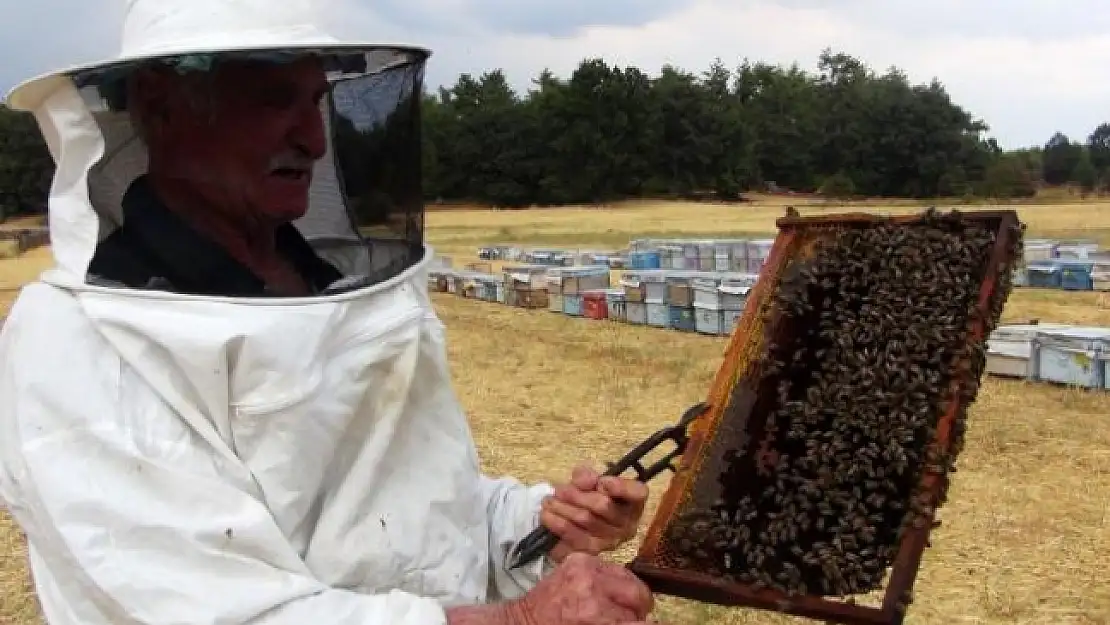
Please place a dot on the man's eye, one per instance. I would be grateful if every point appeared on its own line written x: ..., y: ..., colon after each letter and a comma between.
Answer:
x: 276, y: 98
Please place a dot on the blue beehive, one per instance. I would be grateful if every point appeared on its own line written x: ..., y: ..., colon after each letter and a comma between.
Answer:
x: 1075, y: 275
x: 682, y: 318
x: 644, y: 260
x: 572, y: 305
x: 1043, y: 273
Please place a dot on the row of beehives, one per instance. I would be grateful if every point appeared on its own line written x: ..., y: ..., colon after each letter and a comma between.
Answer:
x: 706, y: 302
x: 1048, y: 249
x: 1068, y: 265
x: 553, y: 257
x: 722, y: 255
x: 1065, y: 273
x: 741, y: 255
x: 26, y: 238
x: 713, y: 255
x: 712, y: 303
x: 1063, y: 354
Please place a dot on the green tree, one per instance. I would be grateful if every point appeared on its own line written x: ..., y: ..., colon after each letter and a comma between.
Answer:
x: 1098, y: 147
x: 1085, y: 174
x: 838, y: 186
x: 25, y: 165
x: 1060, y: 158
x: 1008, y: 177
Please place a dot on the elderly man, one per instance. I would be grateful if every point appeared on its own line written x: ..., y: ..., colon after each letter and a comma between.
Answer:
x: 211, y: 417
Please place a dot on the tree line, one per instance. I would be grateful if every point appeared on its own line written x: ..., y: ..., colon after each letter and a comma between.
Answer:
x: 607, y: 133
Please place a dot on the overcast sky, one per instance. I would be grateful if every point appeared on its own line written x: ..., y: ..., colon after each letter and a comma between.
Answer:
x: 1027, y: 67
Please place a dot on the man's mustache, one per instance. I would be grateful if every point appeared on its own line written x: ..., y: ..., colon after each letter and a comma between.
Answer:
x: 292, y: 160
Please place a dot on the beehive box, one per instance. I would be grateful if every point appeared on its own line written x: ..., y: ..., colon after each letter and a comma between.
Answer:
x: 672, y: 257
x: 635, y: 290
x: 572, y: 305
x: 555, y: 302
x: 739, y: 257
x: 635, y: 312
x: 1043, y: 274
x: 1100, y: 275
x: 707, y: 292
x: 730, y: 319
x: 578, y: 280
x: 658, y: 315
x: 554, y: 282
x: 1010, y: 347
x: 530, y: 277
x: 615, y: 302
x: 1069, y: 356
x: 523, y: 296
x: 1078, y: 250
x: 679, y: 289
x: 1039, y: 250
x: 655, y: 286
x: 1076, y: 275
x: 758, y: 251
x: 722, y: 256
x: 594, y: 304
x: 801, y: 506
x: 681, y: 318
x: 709, y: 321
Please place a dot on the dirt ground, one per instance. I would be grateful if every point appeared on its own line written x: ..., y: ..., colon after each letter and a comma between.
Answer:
x: 1027, y: 527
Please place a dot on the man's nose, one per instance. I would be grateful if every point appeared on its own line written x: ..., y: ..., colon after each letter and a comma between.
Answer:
x: 308, y: 135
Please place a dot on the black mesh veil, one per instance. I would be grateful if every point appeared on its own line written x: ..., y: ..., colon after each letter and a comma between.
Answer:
x: 365, y: 213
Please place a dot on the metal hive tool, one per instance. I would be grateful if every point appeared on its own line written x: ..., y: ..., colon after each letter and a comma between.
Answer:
x: 744, y: 394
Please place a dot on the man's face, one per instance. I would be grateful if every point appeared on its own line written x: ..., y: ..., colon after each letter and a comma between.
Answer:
x: 245, y: 141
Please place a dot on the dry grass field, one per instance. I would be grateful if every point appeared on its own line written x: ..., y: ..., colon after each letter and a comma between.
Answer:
x: 1026, y: 532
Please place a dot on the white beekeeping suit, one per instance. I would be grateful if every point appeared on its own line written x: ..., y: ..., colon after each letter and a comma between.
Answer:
x: 181, y: 458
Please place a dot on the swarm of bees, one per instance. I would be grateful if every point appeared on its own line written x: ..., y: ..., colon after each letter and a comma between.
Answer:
x: 817, y: 499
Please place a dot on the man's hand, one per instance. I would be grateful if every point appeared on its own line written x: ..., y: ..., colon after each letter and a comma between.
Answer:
x: 584, y: 590
x: 592, y: 514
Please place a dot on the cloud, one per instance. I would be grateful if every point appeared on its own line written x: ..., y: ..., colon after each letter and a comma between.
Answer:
x: 554, y: 18
x: 1027, y: 67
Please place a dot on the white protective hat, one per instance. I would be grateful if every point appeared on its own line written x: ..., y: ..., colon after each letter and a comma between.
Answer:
x: 98, y: 153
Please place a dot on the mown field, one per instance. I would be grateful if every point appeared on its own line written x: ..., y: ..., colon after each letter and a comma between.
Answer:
x: 1027, y: 528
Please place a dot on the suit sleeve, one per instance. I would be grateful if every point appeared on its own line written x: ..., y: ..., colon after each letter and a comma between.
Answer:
x: 514, y: 511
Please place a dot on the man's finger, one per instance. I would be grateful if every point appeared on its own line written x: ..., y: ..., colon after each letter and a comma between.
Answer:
x: 574, y: 537
x: 629, y: 491
x: 583, y: 517
x: 598, y: 503
x: 584, y: 478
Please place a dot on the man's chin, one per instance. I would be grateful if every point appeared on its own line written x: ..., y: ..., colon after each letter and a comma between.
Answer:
x: 284, y: 211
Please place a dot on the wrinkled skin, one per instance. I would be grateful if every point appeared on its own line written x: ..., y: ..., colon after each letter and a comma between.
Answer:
x: 232, y: 151
x: 593, y: 515
x: 583, y: 590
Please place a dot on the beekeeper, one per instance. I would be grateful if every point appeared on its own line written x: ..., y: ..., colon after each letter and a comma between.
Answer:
x: 229, y: 402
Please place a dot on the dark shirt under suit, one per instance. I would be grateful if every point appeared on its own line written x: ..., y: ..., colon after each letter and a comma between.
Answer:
x: 156, y: 249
